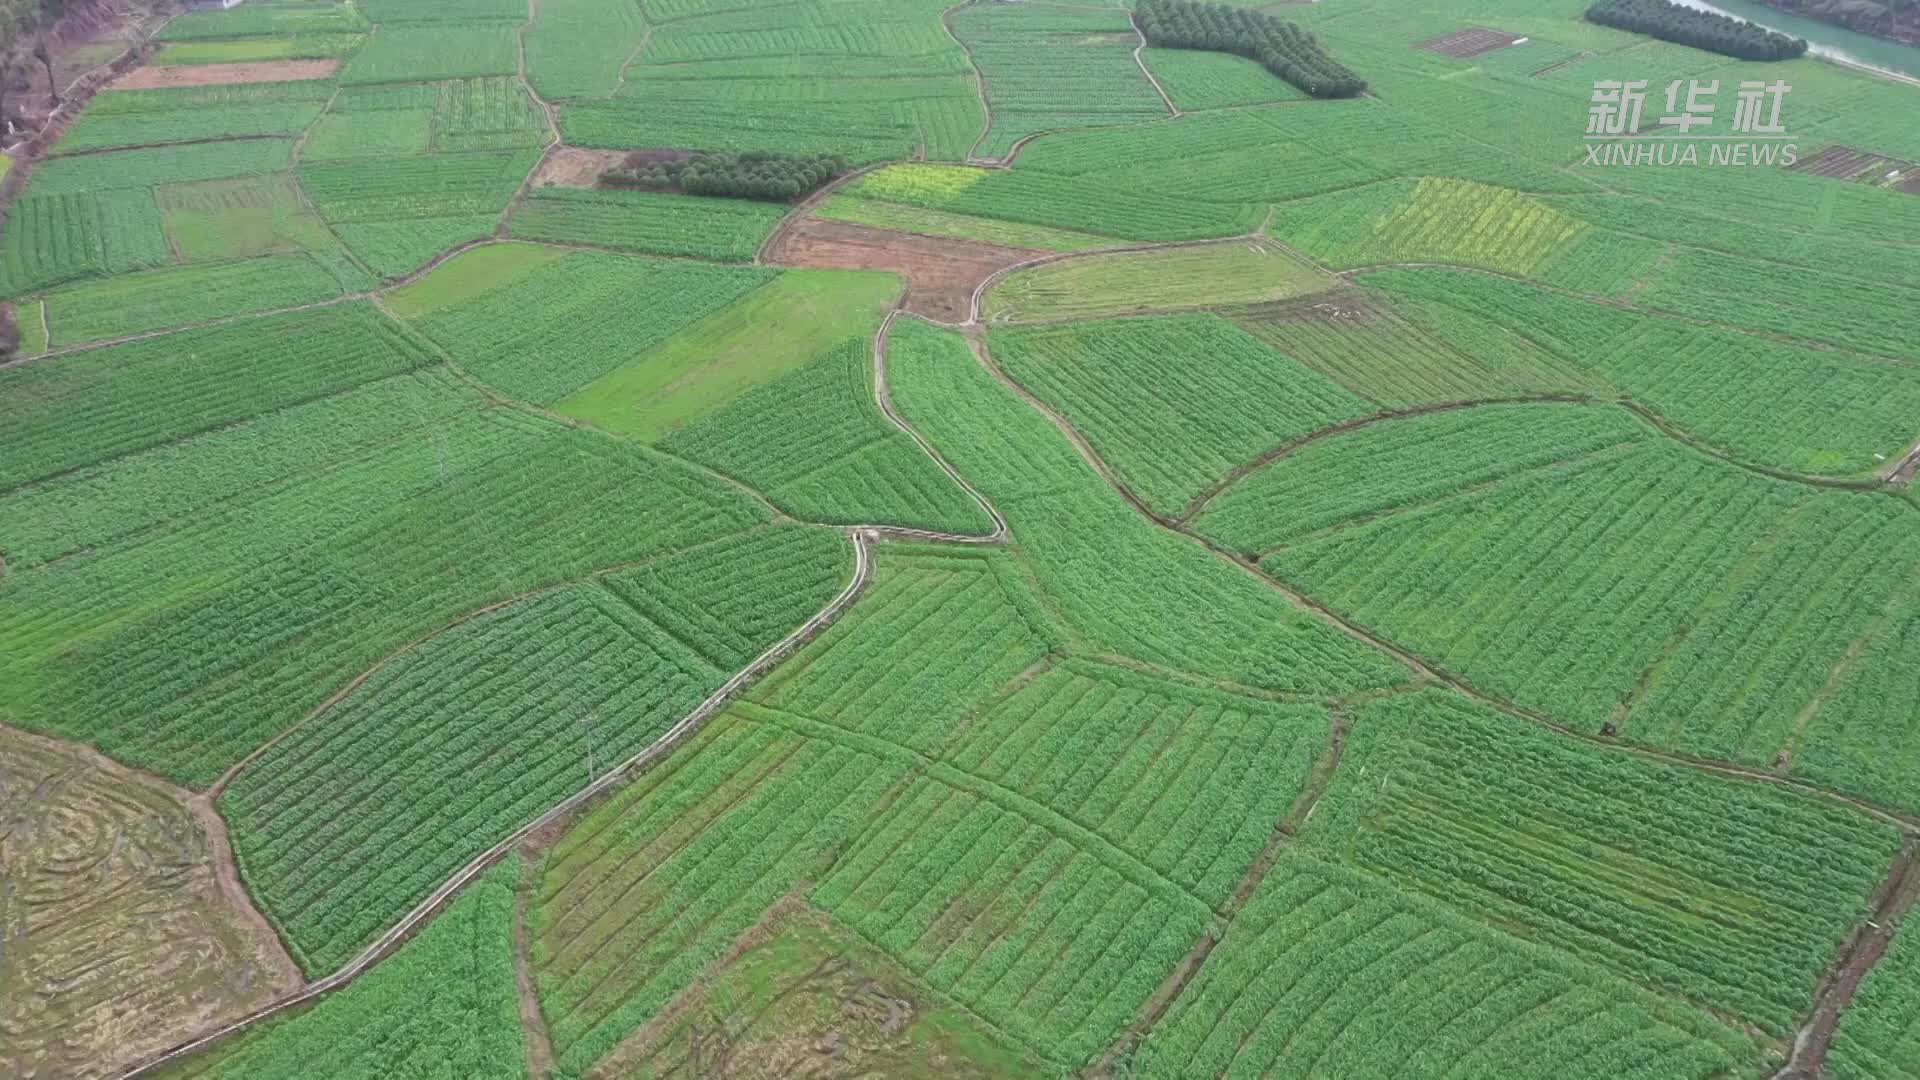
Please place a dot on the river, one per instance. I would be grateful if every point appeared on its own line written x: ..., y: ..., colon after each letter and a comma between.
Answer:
x: 1823, y: 38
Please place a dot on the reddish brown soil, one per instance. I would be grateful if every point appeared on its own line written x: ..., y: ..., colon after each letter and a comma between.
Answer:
x: 941, y: 272
x: 1844, y: 162
x: 1472, y: 41
x: 158, y: 77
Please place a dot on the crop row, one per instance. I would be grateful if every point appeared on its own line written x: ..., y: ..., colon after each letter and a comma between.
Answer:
x: 1729, y: 894
x: 1120, y: 582
x: 578, y: 48
x: 401, y: 188
x: 1167, y: 425
x: 1361, y: 476
x: 1647, y: 531
x: 92, y: 506
x: 211, y: 675
x: 724, y: 230
x: 1746, y: 293
x: 96, y: 405
x: 1049, y: 68
x: 932, y: 639
x: 422, y: 53
x: 1190, y: 781
x: 1008, y: 917
x: 176, y: 296
x: 815, y: 444
x: 51, y: 239
x: 1765, y: 400
x: 523, y: 705
x: 647, y: 892
x: 1327, y: 970
x: 444, y: 1003
x: 751, y: 590
x: 1055, y: 201
x: 574, y: 320
x: 1412, y: 352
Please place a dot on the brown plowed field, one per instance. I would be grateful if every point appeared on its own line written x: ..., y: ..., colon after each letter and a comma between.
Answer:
x: 158, y: 77
x: 1470, y: 42
x: 118, y: 938
x: 941, y: 272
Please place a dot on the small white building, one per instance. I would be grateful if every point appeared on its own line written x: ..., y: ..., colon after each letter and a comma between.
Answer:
x: 211, y: 5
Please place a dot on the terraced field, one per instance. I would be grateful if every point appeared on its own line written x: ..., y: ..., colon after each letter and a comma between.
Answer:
x: 606, y: 538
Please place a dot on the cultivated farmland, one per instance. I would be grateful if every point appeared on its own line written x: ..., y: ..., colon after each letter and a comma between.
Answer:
x: 955, y: 538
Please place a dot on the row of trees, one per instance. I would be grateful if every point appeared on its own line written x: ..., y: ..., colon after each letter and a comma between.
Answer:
x: 753, y: 174
x: 1697, y: 29
x: 1280, y: 46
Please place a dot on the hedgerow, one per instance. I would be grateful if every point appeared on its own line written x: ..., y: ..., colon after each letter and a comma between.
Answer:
x: 1699, y: 29
x: 1288, y: 51
x: 750, y: 174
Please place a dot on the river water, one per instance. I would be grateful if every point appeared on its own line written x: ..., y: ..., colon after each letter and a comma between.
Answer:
x: 1823, y: 38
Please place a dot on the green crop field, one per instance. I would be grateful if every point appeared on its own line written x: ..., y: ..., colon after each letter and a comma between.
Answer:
x: 1142, y: 569
x: 1127, y: 283
x: 1045, y: 67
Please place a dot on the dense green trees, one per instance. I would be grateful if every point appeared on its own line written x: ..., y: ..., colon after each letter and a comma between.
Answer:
x: 1698, y: 29
x: 1286, y: 50
x: 752, y: 174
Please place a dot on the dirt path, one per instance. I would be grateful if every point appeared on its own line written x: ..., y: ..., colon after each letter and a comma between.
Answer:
x: 213, y: 791
x: 533, y: 1022
x: 1141, y: 63
x: 1156, y: 1006
x: 1243, y: 470
x: 1908, y: 823
x: 979, y: 78
x: 1863, y: 948
x: 680, y: 732
x: 805, y: 206
x: 620, y: 82
x: 226, y: 875
x: 546, y: 109
x: 1900, y: 473
x: 885, y: 400
x: 864, y: 538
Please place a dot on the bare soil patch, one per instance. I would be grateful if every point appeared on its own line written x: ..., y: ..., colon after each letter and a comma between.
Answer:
x: 1863, y: 166
x: 941, y: 272
x: 576, y: 167
x: 161, y: 77
x: 120, y: 938
x: 1471, y: 42
x: 1844, y: 163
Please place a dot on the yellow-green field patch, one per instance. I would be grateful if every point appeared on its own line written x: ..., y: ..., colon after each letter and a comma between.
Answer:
x: 1230, y: 272
x: 471, y: 273
x: 238, y: 218
x: 769, y: 331
x: 927, y: 222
